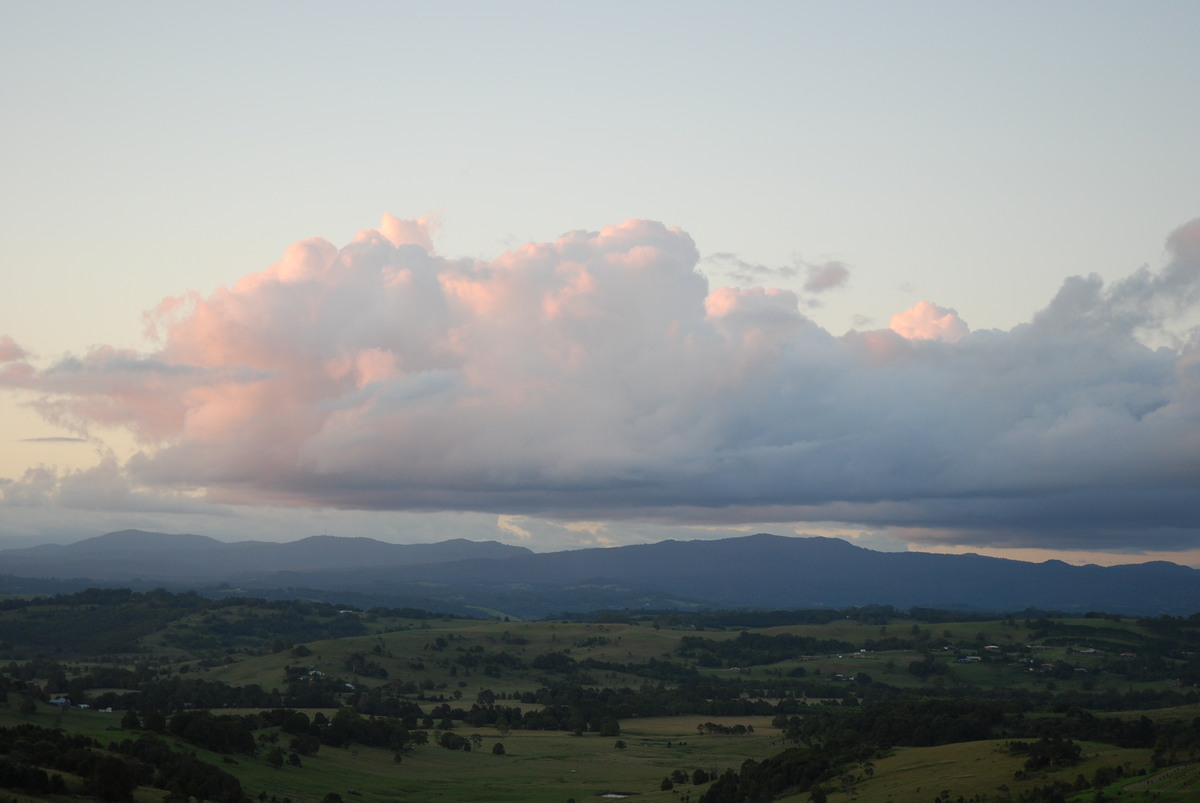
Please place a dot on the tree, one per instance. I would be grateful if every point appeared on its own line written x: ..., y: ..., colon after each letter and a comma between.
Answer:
x: 130, y: 721
x: 154, y: 721
x: 305, y: 744
x: 619, y: 744
x: 666, y: 785
x: 498, y: 749
x: 28, y: 707
x: 111, y: 779
x: 452, y: 741
x: 818, y: 795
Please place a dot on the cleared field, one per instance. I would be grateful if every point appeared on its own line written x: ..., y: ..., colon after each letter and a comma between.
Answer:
x: 1174, y: 783
x: 537, y: 765
x: 967, y: 769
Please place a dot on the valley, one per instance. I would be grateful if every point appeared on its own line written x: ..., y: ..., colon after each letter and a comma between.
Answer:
x: 242, y: 698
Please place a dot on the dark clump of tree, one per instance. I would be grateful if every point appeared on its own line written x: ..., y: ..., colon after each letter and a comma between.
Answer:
x: 182, y: 774
x: 19, y: 777
x: 652, y: 669
x: 554, y: 662
x: 739, y: 619
x: 360, y: 664
x: 755, y: 649
x: 347, y: 726
x: 452, y: 741
x: 797, y: 769
x: 1054, y: 751
x: 223, y: 733
x: 29, y: 750
x: 99, y: 621
x: 926, y: 667
x: 724, y: 730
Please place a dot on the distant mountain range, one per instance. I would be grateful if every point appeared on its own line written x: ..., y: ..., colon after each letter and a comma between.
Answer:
x: 757, y: 571
x: 133, y: 554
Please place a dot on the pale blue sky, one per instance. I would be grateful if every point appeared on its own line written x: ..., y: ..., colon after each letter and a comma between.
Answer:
x: 970, y: 154
x: 977, y: 152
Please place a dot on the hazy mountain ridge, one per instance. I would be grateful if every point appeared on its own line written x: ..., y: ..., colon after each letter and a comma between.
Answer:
x: 131, y: 554
x: 765, y: 571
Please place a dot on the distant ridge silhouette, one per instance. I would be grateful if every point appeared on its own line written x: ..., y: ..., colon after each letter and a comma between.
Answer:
x: 755, y: 571
x: 130, y: 554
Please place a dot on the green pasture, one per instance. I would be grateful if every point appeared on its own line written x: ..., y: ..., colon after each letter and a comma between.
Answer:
x: 537, y: 765
x: 100, y: 725
x: 411, y: 653
x: 1178, y: 783
x: 967, y: 769
x: 415, y: 655
x: 556, y: 766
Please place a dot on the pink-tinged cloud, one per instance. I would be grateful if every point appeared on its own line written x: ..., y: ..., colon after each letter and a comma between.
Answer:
x: 599, y: 376
x: 927, y: 321
x: 417, y: 232
x: 9, y: 350
x: 878, y: 347
x: 756, y: 302
x: 757, y: 320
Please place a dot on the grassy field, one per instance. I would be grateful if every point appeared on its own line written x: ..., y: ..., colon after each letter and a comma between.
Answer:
x: 537, y: 765
x: 412, y: 654
x: 430, y: 660
x: 1181, y: 783
x: 408, y: 652
x: 967, y: 769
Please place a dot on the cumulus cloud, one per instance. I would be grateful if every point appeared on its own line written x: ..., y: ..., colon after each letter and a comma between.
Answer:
x: 600, y: 377
x: 927, y: 321
x: 103, y: 487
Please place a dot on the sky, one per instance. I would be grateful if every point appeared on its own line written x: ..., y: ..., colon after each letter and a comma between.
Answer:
x: 919, y: 275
